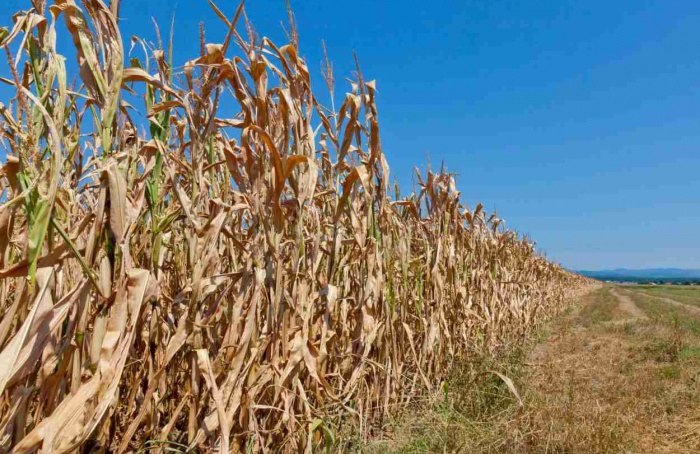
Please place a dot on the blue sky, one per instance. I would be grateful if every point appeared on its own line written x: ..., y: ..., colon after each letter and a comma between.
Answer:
x: 579, y: 122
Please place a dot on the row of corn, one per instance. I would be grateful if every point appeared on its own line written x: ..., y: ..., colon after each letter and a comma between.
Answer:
x: 203, y: 257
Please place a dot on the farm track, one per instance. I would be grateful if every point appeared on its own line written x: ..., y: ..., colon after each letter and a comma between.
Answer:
x: 689, y: 307
x: 628, y: 305
x: 614, y: 374
x: 601, y: 382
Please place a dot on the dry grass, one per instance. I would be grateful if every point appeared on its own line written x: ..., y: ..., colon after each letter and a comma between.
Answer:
x: 225, y: 281
x: 601, y: 382
x: 689, y: 294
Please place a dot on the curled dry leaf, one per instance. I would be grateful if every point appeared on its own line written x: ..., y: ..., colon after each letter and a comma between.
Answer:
x: 178, y: 275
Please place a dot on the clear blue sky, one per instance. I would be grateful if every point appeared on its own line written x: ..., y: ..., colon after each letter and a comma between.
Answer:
x: 578, y: 121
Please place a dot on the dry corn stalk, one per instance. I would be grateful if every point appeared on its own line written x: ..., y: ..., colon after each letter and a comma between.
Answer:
x: 227, y: 280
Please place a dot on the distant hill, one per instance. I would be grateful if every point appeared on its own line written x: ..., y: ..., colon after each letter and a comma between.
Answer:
x: 652, y: 274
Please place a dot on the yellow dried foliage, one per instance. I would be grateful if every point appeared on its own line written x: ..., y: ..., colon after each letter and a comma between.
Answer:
x: 231, y: 279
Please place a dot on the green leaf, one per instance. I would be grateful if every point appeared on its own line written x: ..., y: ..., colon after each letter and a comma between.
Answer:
x: 329, y: 437
x: 165, y: 222
x: 153, y: 185
x: 315, y: 424
x: 83, y: 264
x: 41, y: 214
x: 251, y: 445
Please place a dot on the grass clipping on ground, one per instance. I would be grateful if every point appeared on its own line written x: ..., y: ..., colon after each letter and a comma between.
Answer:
x: 234, y: 279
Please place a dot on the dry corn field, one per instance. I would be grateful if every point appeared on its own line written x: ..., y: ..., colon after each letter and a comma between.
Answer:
x: 176, y: 275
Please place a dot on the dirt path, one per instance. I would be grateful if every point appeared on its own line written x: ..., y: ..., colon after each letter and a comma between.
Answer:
x: 611, y: 379
x: 628, y: 305
x: 616, y: 374
x: 688, y: 307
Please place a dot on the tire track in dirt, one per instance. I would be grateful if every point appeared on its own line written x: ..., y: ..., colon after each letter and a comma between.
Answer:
x: 584, y: 361
x: 628, y: 305
x: 689, y: 307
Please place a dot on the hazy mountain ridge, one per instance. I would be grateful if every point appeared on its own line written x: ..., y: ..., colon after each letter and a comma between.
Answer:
x: 650, y: 273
